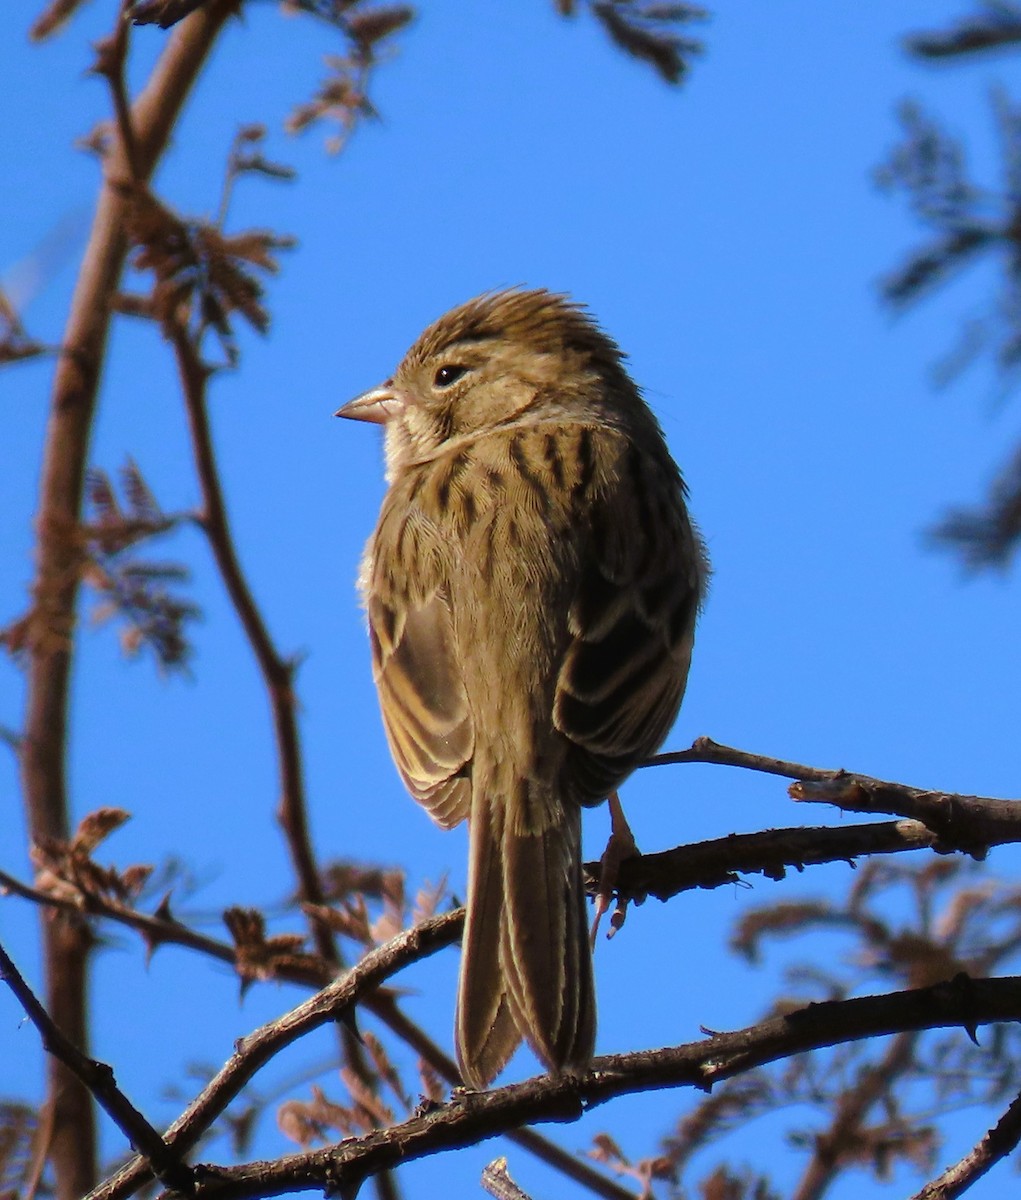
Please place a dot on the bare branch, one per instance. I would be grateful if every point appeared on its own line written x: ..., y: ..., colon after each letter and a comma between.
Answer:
x: 705, y: 750
x: 277, y: 674
x: 98, y: 1077
x: 56, y: 583
x: 770, y: 853
x: 333, y: 1003
x: 967, y: 823
x: 162, y: 929
x: 497, y: 1182
x: 996, y: 1145
x: 471, y: 1117
x: 111, y: 59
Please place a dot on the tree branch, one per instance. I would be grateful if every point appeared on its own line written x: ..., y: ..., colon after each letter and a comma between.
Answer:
x: 333, y: 1003
x: 157, y: 930
x: 99, y: 1078
x: 471, y: 1117
x: 55, y: 588
x: 970, y: 824
x: 705, y: 750
x: 708, y: 864
x: 997, y: 1144
x: 771, y: 853
x: 278, y: 677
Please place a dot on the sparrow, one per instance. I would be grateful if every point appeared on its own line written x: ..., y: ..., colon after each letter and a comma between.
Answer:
x: 531, y: 589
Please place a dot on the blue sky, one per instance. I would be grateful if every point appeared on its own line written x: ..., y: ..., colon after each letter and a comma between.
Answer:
x: 729, y: 236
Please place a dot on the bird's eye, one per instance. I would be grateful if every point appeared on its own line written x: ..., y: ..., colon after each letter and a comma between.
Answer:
x: 447, y: 374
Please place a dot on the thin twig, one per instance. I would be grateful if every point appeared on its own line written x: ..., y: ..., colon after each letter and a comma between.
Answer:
x: 703, y: 865
x: 278, y: 677
x: 334, y: 1002
x: 277, y: 672
x: 996, y: 1145
x: 497, y: 1182
x: 970, y: 824
x: 155, y: 930
x: 98, y: 1077
x: 41, y: 1140
x: 705, y: 750
x: 112, y: 55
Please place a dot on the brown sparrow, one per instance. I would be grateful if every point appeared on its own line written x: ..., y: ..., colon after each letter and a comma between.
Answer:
x: 531, y: 587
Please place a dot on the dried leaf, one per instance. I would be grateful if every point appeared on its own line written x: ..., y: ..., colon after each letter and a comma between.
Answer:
x: 341, y: 99
x: 96, y: 827
x: 296, y: 1123
x: 15, y: 344
x: 385, y: 1068
x: 53, y: 16
x: 427, y: 901
x: 997, y: 27
x: 163, y: 13
x: 433, y: 1087
x: 201, y: 276
x: 18, y: 1125
x: 369, y: 1110
x: 66, y: 870
x: 260, y: 957
x: 368, y: 26
x: 133, y: 589
x: 648, y: 32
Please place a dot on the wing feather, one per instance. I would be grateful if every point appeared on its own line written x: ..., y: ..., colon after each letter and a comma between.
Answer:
x: 631, y: 624
x: 423, y: 701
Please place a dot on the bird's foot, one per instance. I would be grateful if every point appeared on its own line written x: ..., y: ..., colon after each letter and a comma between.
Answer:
x: 621, y: 845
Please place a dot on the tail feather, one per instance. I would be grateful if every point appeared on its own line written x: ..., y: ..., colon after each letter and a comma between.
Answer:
x: 579, y: 1019
x: 487, y: 1034
x: 526, y: 969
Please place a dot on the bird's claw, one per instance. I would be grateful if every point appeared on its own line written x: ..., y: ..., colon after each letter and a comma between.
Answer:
x: 621, y: 845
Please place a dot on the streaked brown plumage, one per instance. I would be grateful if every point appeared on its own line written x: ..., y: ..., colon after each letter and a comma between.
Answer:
x: 531, y: 586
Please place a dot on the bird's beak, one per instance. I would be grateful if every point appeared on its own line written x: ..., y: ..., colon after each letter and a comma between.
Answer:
x: 379, y: 405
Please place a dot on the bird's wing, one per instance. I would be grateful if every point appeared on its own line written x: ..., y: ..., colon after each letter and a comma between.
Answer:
x: 631, y: 625
x: 423, y: 700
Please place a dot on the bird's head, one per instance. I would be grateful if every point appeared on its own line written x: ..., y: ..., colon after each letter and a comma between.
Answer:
x: 505, y: 358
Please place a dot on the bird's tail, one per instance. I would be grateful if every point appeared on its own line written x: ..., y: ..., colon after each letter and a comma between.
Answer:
x: 526, y: 966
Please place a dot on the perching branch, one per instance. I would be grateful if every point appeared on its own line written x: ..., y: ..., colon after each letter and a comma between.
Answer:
x: 160, y: 929
x: 709, y: 864
x: 471, y: 1117
x: 772, y: 853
